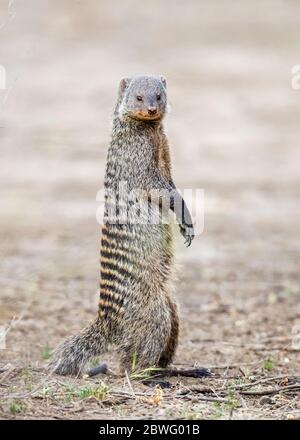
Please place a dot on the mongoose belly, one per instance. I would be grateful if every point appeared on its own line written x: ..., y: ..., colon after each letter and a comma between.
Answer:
x: 135, y: 269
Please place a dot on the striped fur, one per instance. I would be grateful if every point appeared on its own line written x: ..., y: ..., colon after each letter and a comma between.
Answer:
x: 136, y: 311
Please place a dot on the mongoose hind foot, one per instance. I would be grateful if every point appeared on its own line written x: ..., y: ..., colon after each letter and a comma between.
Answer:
x: 100, y: 369
x: 190, y: 372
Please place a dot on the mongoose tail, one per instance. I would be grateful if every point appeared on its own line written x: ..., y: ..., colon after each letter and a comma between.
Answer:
x: 72, y: 356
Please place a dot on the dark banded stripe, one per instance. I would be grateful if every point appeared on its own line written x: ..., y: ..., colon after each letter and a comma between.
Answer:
x: 117, y: 235
x: 109, y: 285
x: 110, y: 277
x: 119, y: 243
x: 117, y: 232
x: 109, y: 305
x: 119, y: 258
x: 115, y: 276
x: 112, y: 297
x: 110, y: 313
x: 108, y: 242
x: 117, y: 269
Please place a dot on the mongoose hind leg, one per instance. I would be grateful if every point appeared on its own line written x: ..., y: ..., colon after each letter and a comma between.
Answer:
x: 168, y: 353
x: 141, y: 355
x: 142, y: 345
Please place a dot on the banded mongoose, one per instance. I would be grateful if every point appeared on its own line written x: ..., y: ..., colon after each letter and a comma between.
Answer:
x: 136, y: 311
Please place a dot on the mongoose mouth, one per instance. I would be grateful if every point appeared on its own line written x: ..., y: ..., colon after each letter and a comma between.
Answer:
x: 139, y: 116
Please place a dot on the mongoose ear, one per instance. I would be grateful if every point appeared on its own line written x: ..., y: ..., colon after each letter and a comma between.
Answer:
x: 123, y: 86
x: 164, y: 81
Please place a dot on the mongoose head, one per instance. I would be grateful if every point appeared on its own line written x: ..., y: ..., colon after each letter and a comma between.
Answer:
x: 142, y: 98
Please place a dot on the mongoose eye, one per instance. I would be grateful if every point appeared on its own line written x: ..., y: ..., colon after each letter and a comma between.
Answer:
x: 158, y: 96
x: 139, y: 98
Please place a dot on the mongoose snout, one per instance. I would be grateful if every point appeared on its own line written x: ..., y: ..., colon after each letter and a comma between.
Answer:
x: 152, y: 111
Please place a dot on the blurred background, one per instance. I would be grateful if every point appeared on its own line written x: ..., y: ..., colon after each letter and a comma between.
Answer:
x: 233, y: 130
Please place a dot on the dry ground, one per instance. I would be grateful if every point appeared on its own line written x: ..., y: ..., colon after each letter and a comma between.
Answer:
x: 234, y: 131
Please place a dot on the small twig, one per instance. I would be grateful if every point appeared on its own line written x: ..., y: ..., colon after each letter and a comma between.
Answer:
x: 244, y: 404
x: 207, y: 399
x: 238, y: 387
x: 272, y: 391
x: 242, y: 371
x: 263, y: 380
x: 187, y: 390
x: 129, y: 383
x: 13, y: 322
x: 7, y: 367
x: 226, y: 369
x: 129, y: 395
x: 222, y: 366
x: 6, y: 373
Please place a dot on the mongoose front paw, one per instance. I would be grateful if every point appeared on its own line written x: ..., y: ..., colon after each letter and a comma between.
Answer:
x: 188, y: 233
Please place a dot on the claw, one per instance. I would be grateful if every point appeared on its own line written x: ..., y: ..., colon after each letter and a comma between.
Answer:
x: 189, y: 240
x: 187, y: 233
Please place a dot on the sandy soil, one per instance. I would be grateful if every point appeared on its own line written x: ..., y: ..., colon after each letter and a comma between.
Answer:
x: 234, y: 131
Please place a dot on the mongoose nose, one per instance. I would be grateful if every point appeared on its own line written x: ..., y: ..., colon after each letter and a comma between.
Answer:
x: 152, y: 110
